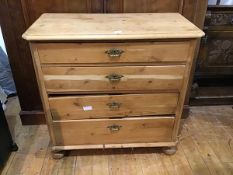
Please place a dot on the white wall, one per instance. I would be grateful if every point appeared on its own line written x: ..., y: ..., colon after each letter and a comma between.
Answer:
x: 2, y: 44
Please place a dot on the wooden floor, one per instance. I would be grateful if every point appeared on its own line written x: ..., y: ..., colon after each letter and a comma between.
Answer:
x: 206, y: 147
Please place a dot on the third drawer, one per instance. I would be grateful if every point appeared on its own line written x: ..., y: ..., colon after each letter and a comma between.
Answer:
x: 111, y: 106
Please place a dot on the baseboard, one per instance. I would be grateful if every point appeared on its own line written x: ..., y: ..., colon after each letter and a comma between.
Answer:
x: 211, y: 101
x: 214, y: 95
x: 32, y: 117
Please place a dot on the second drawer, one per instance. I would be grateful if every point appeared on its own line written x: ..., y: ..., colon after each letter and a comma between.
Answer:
x: 112, y: 79
x: 107, y: 106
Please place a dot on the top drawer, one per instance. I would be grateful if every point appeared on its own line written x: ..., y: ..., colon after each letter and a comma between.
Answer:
x: 113, y: 52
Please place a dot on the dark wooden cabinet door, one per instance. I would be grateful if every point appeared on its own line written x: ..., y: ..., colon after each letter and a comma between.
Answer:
x: 33, y: 9
x: 216, y: 54
x: 213, y: 80
x: 194, y: 10
x: 13, y: 25
x: 139, y: 6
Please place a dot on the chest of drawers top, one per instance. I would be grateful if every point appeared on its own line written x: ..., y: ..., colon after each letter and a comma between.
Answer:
x: 111, y: 27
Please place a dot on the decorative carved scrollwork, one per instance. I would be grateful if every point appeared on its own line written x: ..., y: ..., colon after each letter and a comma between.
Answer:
x: 220, y: 52
x: 218, y: 19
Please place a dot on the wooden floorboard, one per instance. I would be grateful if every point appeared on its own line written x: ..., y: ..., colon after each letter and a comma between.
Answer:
x: 205, y: 148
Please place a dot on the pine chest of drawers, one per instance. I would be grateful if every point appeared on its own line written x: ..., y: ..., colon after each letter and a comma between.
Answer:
x: 113, y: 80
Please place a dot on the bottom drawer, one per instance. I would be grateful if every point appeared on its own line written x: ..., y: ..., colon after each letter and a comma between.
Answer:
x: 110, y: 131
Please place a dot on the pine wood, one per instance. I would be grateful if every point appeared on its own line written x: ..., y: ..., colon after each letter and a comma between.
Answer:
x: 87, y: 79
x: 72, y: 107
x: 184, y: 90
x: 96, y: 131
x: 42, y: 89
x: 116, y: 27
x: 138, y: 52
x: 138, y: 81
x: 200, y: 151
x: 107, y: 146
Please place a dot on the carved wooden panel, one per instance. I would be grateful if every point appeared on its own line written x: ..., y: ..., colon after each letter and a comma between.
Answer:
x: 220, y: 18
x: 213, y: 80
x: 220, y: 52
x: 216, y: 53
x: 34, y: 8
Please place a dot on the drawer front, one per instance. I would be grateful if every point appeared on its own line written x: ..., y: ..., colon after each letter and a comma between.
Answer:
x: 107, y: 106
x: 110, y: 131
x: 113, y: 52
x: 112, y: 79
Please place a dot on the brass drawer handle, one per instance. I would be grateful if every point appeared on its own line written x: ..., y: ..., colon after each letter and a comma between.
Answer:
x: 114, y: 128
x: 113, y: 53
x: 114, y: 106
x: 114, y: 78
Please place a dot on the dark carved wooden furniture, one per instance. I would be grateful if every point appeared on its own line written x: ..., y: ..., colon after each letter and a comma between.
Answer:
x: 213, y: 83
x: 16, y: 16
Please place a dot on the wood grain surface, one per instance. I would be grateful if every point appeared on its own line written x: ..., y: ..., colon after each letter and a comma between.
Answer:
x: 116, y: 27
x: 110, y: 106
x: 98, y: 131
x: 205, y: 147
x: 133, y: 52
x: 94, y: 79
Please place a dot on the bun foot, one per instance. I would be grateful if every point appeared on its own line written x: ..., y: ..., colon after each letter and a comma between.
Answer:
x: 58, y: 154
x: 170, y: 150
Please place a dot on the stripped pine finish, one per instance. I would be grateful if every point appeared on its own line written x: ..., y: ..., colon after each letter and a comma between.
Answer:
x: 116, y: 27
x: 205, y: 148
x: 136, y: 52
x: 96, y: 79
x: 130, y: 54
x: 105, y: 106
x: 113, y: 131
